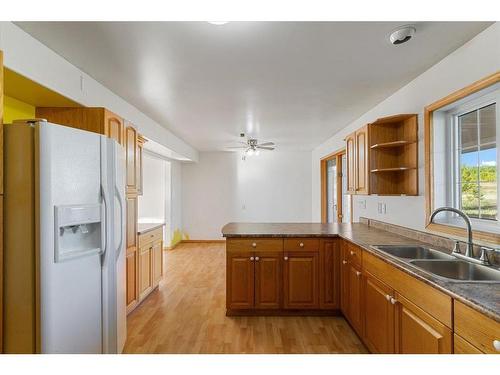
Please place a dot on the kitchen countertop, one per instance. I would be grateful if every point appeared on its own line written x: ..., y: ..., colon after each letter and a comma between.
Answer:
x: 481, y: 297
x: 147, y: 227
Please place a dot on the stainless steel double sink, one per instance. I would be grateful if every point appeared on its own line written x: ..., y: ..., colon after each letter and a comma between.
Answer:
x: 439, y: 264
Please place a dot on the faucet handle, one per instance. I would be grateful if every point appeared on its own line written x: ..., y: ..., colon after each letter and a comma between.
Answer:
x: 456, y: 248
x: 484, y: 256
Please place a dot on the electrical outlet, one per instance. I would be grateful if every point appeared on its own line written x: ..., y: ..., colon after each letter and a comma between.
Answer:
x: 384, y: 208
x: 362, y: 204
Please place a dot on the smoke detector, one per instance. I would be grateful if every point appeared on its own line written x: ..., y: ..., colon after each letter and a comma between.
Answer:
x: 402, y: 34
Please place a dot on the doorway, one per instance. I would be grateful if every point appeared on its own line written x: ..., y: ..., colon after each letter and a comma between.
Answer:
x: 335, y: 202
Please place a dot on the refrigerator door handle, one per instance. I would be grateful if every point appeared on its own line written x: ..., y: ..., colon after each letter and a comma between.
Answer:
x: 104, y: 221
x: 120, y: 202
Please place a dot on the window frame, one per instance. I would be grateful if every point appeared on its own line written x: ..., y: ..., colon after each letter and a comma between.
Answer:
x: 482, y: 235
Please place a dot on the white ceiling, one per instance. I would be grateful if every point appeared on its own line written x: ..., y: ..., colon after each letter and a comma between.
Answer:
x: 294, y: 83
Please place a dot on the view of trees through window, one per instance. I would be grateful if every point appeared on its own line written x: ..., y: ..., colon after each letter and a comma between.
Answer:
x: 478, y: 163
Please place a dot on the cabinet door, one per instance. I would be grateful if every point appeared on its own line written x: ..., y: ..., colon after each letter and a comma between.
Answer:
x: 301, y: 280
x: 268, y: 280
x: 351, y: 163
x: 329, y: 274
x: 379, y: 315
x: 131, y: 157
x: 157, y: 262
x: 462, y: 346
x: 113, y: 127
x: 145, y: 274
x: 361, y: 168
x: 240, y: 280
x: 355, y: 310
x: 140, y: 147
x: 416, y: 332
x: 131, y: 264
x: 344, y: 279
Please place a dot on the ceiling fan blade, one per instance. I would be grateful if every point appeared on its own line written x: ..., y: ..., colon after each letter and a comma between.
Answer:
x: 266, y: 144
x: 236, y: 147
x: 265, y: 148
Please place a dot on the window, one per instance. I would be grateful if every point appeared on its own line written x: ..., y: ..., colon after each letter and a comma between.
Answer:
x: 477, y: 162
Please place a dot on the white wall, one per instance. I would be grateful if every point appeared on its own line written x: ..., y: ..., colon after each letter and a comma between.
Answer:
x: 152, y: 201
x: 32, y: 59
x: 220, y: 188
x: 474, y: 60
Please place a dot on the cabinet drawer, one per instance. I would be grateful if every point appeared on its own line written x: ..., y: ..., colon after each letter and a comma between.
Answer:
x: 354, y: 254
x: 253, y: 244
x: 151, y: 236
x: 301, y: 244
x: 477, y: 329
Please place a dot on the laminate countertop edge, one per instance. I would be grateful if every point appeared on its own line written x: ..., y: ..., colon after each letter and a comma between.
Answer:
x: 484, y: 298
x: 148, y: 227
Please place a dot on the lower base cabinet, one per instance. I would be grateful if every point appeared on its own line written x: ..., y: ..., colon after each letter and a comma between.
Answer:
x: 416, y: 332
x: 145, y: 274
x: 379, y: 317
x: 301, y: 279
x: 355, y: 311
x: 131, y: 270
x: 268, y: 276
x: 462, y: 346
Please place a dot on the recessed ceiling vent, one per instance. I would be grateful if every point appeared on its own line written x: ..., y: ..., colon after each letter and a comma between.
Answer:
x: 402, y: 34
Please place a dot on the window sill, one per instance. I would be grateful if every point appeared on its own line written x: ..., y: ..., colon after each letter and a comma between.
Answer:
x: 479, y: 236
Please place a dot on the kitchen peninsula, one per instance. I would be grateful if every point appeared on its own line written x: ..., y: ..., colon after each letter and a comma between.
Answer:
x: 326, y: 269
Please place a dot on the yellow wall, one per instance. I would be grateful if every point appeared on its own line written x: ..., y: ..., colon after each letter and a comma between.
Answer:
x: 14, y: 109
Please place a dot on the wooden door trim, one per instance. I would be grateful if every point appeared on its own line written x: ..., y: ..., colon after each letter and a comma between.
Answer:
x: 429, y: 183
x: 323, y: 163
x: 1, y: 205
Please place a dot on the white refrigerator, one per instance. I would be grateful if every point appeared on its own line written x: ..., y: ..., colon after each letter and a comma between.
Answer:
x: 64, y: 193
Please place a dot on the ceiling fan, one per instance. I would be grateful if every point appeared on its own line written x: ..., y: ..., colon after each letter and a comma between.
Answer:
x: 252, y: 146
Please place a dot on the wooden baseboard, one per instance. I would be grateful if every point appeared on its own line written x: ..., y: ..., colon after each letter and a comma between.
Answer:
x: 203, y: 241
x: 231, y: 312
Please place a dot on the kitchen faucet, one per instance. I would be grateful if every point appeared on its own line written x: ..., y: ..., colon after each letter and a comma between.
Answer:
x: 469, y: 252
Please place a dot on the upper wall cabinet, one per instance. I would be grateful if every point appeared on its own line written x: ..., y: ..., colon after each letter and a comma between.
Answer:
x: 382, y: 157
x: 131, y: 163
x: 358, y: 175
x: 394, y: 155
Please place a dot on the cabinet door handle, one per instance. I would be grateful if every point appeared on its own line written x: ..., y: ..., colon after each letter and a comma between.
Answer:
x: 254, y: 244
x: 358, y: 274
x: 394, y: 301
x: 496, y: 345
x: 352, y: 253
x: 257, y: 259
x: 301, y: 244
x: 285, y: 258
x: 251, y: 258
x: 388, y: 297
x: 344, y: 262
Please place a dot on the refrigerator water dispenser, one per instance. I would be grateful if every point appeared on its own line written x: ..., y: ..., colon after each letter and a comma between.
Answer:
x: 78, y: 231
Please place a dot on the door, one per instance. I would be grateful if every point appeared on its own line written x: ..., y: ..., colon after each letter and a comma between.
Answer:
x: 361, y: 165
x: 145, y: 274
x: 346, y: 198
x: 240, y: 280
x: 140, y: 147
x: 113, y: 127
x: 329, y: 287
x: 351, y: 163
x: 131, y: 267
x: 301, y: 280
x: 268, y: 279
x: 157, y: 262
x: 344, y: 279
x: 131, y: 163
x: 331, y: 191
x: 379, y: 315
x: 355, y: 310
x: 416, y: 332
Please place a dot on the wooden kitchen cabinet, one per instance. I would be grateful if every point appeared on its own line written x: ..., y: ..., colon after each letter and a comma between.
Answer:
x: 139, y: 150
x: 355, y: 301
x: 240, y: 274
x: 131, y: 159
x: 329, y: 275
x: 344, y: 278
x: 378, y: 320
x: 462, y: 346
x: 417, y: 332
x: 357, y: 152
x: 145, y: 271
x: 132, y: 256
x: 301, y: 280
x: 268, y: 279
x: 157, y: 258
x: 113, y: 126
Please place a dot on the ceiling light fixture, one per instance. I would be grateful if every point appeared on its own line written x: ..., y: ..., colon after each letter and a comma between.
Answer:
x: 218, y: 23
x: 402, y: 34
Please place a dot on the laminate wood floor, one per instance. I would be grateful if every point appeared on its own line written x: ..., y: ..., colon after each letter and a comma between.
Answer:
x: 187, y: 315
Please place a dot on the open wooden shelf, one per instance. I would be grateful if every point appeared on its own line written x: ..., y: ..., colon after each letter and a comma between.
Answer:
x: 393, y: 165
x: 391, y: 144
